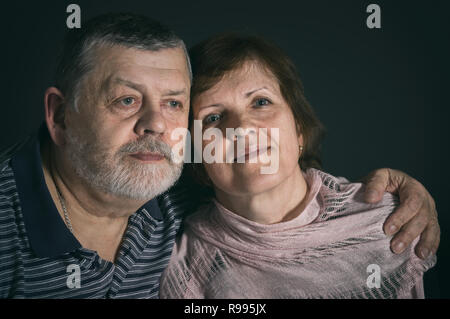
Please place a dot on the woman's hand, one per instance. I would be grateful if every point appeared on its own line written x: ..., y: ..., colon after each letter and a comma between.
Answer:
x: 415, y: 216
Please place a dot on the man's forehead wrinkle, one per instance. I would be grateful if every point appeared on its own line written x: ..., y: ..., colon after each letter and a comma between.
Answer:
x: 120, y: 57
x: 152, y: 59
x: 118, y: 68
x: 129, y: 72
x: 105, y: 86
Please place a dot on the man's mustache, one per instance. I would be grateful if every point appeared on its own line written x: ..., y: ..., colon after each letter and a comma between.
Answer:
x: 148, y: 145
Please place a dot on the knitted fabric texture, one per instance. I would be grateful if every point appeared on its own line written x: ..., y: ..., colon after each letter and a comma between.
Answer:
x: 335, y: 248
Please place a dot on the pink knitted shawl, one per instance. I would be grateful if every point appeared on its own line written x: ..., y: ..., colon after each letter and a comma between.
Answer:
x: 335, y: 248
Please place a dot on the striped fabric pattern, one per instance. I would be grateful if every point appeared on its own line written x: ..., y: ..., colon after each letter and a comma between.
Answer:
x: 143, y: 255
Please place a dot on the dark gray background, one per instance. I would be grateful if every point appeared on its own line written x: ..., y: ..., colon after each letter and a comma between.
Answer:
x: 382, y: 94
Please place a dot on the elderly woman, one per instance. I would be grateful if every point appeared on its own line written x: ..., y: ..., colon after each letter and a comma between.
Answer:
x: 296, y: 232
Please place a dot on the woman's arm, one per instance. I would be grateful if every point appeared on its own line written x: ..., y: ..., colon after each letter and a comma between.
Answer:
x: 415, y: 216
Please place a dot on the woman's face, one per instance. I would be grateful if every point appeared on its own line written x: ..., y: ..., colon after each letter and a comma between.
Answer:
x: 249, y: 98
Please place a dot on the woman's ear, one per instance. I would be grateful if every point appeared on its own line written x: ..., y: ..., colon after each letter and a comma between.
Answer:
x: 54, y: 114
x: 300, y: 138
x: 301, y: 142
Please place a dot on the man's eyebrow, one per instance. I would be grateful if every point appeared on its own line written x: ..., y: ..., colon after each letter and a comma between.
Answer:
x: 175, y: 92
x: 133, y: 85
x: 256, y: 90
x: 141, y: 87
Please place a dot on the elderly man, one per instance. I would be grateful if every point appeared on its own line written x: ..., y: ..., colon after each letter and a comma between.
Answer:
x: 81, y: 210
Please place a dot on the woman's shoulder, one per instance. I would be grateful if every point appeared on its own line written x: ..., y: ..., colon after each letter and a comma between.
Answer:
x: 340, y: 197
x: 192, y: 258
x: 200, y: 218
x: 354, y: 226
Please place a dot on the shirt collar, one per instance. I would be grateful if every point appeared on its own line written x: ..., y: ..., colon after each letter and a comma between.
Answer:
x: 47, y: 232
x: 153, y: 208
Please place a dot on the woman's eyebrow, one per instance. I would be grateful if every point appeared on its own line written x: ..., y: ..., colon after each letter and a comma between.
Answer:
x: 248, y: 94
x: 209, y: 105
x: 254, y: 91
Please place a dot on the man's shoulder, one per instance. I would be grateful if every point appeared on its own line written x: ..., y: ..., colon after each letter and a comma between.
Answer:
x: 5, y: 170
x: 10, y: 211
x: 7, y: 179
x: 11, y: 222
x: 8, y: 152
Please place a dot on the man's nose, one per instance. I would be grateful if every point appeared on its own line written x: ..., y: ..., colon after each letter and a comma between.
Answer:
x: 151, y: 122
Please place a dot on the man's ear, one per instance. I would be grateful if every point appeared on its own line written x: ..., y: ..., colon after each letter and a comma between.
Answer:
x: 54, y: 114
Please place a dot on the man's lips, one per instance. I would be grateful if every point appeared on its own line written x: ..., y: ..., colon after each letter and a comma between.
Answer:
x: 249, y: 155
x: 147, y: 157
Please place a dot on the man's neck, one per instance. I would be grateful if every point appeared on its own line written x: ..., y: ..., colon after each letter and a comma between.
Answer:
x: 98, y: 220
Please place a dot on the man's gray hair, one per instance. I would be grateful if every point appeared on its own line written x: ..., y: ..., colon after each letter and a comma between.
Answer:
x: 124, y: 29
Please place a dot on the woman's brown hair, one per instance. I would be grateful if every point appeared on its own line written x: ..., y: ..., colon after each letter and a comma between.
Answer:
x: 213, y: 58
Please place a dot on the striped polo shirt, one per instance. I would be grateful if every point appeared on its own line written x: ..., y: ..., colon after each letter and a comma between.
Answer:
x: 39, y: 256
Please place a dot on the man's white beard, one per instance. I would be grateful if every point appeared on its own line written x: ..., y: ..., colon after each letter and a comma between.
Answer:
x: 118, y: 174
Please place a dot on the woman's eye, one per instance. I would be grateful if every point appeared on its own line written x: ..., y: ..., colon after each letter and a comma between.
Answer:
x: 128, y: 101
x: 262, y: 102
x: 212, y: 118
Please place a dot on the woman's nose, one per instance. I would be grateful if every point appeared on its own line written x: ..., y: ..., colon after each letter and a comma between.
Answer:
x: 242, y: 132
x: 240, y: 122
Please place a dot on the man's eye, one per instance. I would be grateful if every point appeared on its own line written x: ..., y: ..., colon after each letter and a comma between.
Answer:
x: 212, y: 118
x: 174, y: 104
x: 128, y: 101
x: 262, y: 102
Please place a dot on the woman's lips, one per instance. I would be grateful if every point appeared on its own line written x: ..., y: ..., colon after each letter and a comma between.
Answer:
x: 147, y: 157
x: 250, y: 155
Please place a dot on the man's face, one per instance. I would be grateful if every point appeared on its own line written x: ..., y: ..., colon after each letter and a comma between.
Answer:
x: 128, y: 106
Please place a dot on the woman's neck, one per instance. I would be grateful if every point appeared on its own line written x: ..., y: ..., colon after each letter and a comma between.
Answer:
x: 279, y: 204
